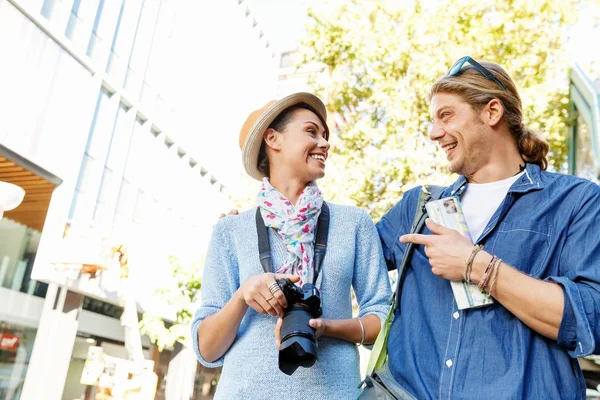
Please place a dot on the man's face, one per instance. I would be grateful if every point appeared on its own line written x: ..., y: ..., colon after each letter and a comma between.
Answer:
x: 460, y: 132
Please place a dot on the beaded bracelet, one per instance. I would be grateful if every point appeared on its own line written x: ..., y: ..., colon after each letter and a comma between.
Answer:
x: 486, y: 275
x: 469, y: 262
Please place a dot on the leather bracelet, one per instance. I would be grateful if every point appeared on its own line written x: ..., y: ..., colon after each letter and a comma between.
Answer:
x: 485, y: 278
x: 494, y: 276
x: 469, y: 262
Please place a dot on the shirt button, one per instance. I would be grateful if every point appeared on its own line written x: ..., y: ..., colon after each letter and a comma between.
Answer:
x: 456, y: 315
x: 449, y: 363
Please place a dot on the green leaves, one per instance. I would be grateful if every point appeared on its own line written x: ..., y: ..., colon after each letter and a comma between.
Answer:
x: 380, y: 58
x: 183, y: 295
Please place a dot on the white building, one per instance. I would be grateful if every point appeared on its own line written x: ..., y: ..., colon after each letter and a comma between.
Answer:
x: 122, y: 115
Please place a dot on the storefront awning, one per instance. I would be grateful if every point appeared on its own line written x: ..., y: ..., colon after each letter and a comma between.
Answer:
x: 38, y: 190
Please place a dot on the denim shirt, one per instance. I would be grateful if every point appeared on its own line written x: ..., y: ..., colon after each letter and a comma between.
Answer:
x: 548, y: 226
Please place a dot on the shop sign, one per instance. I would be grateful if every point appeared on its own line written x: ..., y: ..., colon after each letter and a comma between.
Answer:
x: 8, y: 342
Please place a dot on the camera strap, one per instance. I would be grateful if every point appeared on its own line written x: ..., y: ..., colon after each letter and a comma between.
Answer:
x: 264, y: 248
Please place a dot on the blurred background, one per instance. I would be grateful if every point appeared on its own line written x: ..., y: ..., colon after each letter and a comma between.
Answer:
x: 119, y: 123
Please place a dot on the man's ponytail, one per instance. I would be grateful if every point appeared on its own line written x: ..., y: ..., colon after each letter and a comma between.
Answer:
x: 533, y: 148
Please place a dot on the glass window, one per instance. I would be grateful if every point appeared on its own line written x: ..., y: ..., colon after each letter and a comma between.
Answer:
x: 16, y: 345
x: 82, y: 208
x: 104, y: 28
x: 74, y: 19
x: 135, y: 161
x: 126, y: 202
x: 89, y: 180
x: 81, y: 22
x: 160, y: 62
x: 585, y: 165
x: 119, y: 146
x: 123, y: 41
x: 141, y: 47
x: 50, y: 8
x: 88, y: 175
x: 107, y: 196
x: 115, y: 165
x: 156, y: 166
x: 102, y: 126
x: 18, y: 248
x: 149, y: 97
x: 95, y: 39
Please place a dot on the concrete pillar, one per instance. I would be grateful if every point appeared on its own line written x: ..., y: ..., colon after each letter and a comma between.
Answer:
x: 53, y: 345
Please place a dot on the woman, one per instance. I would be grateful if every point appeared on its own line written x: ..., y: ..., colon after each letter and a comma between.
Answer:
x: 284, y: 144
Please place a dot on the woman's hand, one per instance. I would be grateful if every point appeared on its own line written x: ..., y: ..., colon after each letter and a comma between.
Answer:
x: 318, y: 324
x: 256, y: 293
x: 278, y: 331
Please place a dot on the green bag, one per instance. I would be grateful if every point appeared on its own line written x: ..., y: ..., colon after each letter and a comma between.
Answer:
x: 379, y: 351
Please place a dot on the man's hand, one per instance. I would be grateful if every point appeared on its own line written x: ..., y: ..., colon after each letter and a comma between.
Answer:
x: 232, y: 212
x: 446, y: 249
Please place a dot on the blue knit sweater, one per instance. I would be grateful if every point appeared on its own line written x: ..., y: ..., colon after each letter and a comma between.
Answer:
x: 250, y: 367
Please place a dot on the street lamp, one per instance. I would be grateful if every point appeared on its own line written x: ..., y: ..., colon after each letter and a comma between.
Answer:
x: 10, y: 197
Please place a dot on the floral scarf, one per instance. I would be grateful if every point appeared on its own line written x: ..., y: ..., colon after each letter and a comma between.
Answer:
x: 295, y: 225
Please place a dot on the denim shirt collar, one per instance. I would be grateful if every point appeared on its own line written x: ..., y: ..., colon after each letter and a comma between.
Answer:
x: 531, y: 180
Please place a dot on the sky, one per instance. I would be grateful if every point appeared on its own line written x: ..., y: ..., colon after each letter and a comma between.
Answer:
x: 584, y: 37
x: 281, y: 20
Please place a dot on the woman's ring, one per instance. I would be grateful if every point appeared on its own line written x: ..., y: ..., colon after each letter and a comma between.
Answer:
x: 269, y: 298
x: 274, y: 287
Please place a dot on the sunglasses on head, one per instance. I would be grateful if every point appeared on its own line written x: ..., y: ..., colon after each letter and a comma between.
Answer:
x: 480, y: 68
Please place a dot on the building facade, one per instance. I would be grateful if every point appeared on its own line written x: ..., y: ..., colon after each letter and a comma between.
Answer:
x: 584, y: 135
x: 107, y: 120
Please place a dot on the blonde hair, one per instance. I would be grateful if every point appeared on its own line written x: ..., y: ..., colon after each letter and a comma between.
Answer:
x: 476, y: 90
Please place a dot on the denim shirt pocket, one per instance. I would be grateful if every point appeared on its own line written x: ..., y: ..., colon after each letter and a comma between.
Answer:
x: 523, y: 244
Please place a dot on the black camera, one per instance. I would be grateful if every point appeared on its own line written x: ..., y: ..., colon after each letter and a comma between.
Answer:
x: 298, y: 346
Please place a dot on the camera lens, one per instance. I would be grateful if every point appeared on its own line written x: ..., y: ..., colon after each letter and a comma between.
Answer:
x: 298, y: 343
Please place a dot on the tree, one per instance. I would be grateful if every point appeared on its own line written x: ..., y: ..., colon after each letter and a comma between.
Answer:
x: 380, y: 59
x: 183, y: 295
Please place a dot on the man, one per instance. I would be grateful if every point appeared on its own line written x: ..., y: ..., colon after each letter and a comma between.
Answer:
x: 540, y: 259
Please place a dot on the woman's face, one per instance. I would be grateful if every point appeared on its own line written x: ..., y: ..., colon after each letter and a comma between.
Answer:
x: 301, y: 150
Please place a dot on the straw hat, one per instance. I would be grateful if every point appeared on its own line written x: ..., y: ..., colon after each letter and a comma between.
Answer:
x: 251, y: 134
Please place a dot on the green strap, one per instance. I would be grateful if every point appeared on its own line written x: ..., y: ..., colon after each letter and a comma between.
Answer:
x: 379, y: 351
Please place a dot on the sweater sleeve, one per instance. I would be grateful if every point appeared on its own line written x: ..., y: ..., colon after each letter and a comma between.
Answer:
x: 220, y: 280
x: 371, y: 282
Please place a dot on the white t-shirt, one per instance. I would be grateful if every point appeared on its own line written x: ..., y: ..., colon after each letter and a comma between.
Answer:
x: 481, y: 200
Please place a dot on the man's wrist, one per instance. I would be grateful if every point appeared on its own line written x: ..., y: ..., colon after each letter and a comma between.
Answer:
x: 480, y: 262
